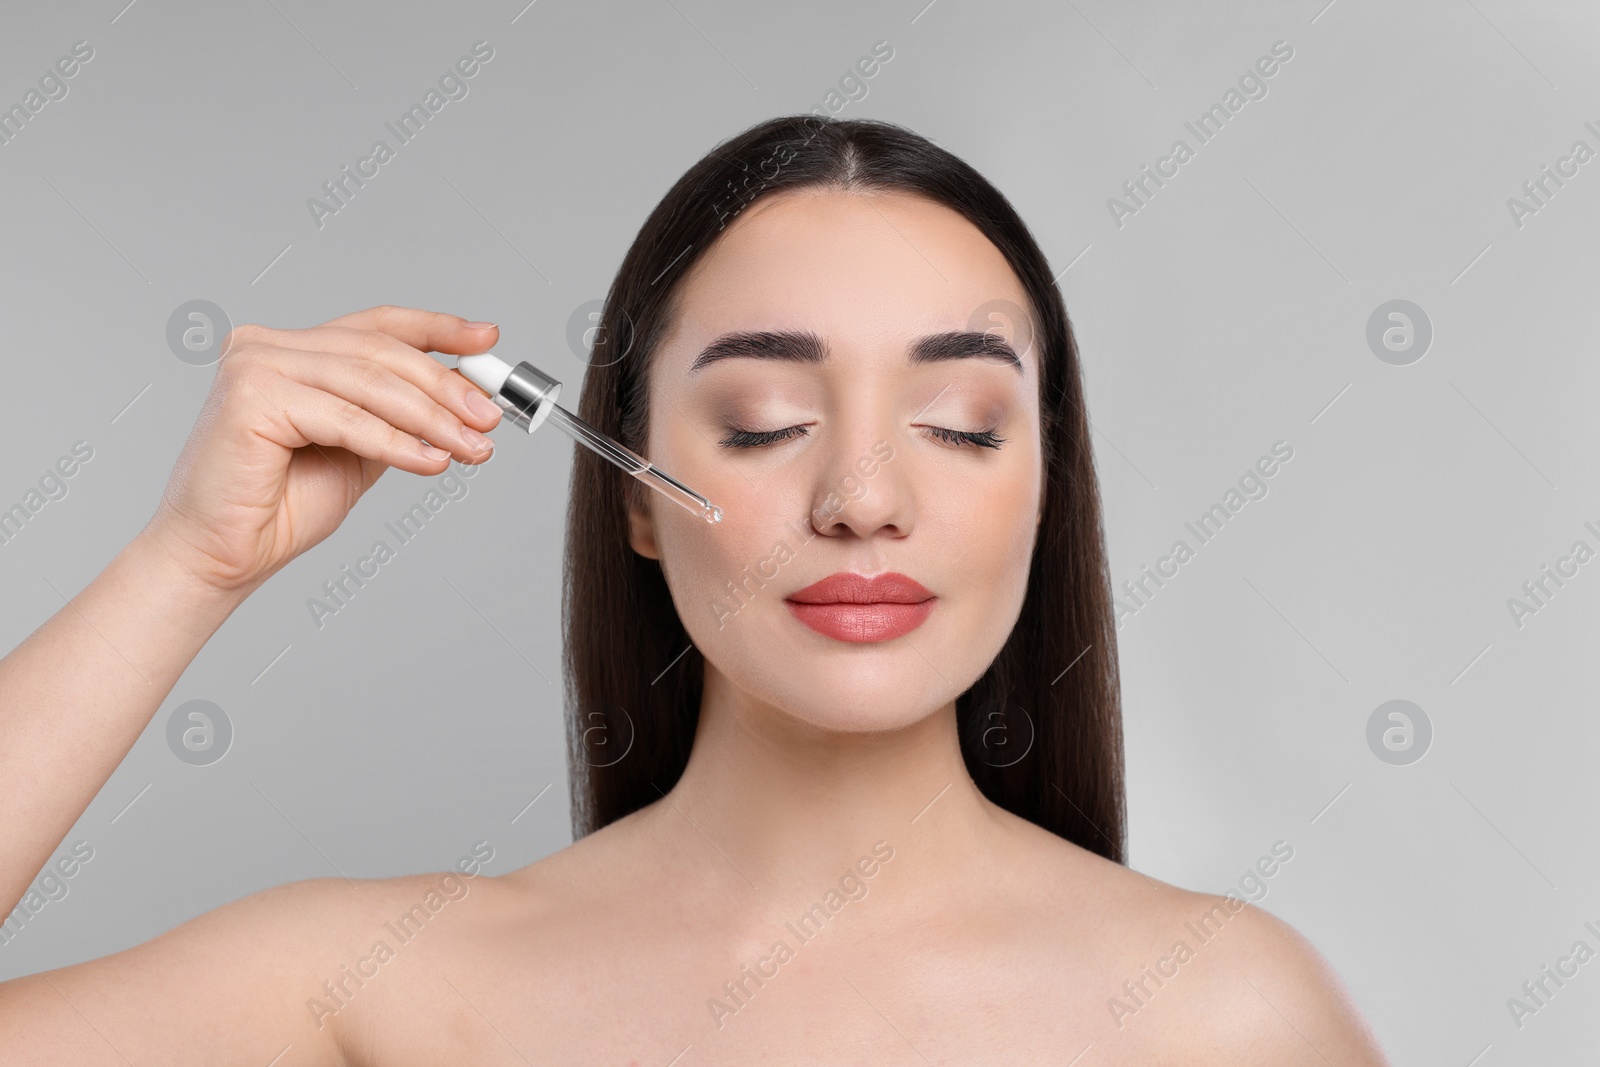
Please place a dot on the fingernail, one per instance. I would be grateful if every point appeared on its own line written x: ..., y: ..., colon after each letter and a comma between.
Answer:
x: 482, y: 325
x: 482, y: 406
x: 435, y: 454
x: 475, y: 440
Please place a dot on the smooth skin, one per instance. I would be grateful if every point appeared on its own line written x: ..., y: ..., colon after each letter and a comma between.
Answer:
x: 981, y: 938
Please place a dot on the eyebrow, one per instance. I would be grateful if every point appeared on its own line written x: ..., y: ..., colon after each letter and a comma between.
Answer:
x: 805, y: 346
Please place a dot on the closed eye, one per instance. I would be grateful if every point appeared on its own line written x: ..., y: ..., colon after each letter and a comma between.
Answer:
x: 960, y: 438
x: 983, y: 438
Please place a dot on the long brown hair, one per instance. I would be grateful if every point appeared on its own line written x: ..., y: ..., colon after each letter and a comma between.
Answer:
x: 633, y: 678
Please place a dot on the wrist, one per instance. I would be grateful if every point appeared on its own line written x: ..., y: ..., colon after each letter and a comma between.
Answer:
x: 152, y: 559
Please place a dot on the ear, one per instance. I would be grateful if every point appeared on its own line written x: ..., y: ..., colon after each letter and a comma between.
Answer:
x: 641, y: 531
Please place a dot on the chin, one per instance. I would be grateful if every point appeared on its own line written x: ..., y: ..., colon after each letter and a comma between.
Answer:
x: 850, y: 687
x: 851, y: 713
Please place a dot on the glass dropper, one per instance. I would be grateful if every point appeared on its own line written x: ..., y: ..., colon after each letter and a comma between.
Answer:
x: 528, y: 396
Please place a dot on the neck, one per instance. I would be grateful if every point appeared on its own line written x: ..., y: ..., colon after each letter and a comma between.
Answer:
x: 790, y: 806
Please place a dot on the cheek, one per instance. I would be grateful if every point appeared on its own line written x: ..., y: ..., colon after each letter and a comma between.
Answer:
x: 762, y: 503
x: 987, y: 535
x: 1018, y: 500
x: 701, y: 557
x: 716, y: 570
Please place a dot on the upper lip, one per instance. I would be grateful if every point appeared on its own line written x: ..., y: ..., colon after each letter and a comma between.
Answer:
x: 847, y: 587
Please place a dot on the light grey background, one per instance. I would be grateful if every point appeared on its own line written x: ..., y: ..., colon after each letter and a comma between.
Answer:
x: 1229, y: 313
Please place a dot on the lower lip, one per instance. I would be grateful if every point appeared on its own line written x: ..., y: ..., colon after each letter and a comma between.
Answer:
x: 862, y: 622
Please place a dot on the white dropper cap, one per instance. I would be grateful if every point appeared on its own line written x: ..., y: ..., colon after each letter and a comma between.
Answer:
x: 487, y: 371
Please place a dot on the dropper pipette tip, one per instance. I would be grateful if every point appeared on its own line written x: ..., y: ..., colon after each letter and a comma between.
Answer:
x: 529, y: 404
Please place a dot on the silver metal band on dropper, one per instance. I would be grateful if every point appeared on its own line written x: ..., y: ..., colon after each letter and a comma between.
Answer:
x: 528, y: 395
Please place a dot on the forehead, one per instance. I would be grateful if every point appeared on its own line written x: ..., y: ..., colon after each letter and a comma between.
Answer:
x: 864, y: 269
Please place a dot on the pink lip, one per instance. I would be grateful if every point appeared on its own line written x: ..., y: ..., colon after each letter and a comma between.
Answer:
x: 852, y: 607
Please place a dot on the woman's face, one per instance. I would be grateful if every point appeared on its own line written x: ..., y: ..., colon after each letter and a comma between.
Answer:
x: 861, y: 472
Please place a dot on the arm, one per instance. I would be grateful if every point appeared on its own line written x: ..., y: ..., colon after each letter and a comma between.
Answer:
x: 229, y: 986
x: 298, y: 425
x: 251, y: 491
x: 75, y: 695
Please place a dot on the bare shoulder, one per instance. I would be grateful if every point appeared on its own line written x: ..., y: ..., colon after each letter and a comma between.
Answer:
x: 1269, y: 995
x: 1221, y: 980
x: 1181, y: 976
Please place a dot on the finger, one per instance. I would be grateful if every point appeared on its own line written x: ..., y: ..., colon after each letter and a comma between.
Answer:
x: 307, y: 415
x: 426, y: 331
x: 390, y: 396
x: 427, y: 374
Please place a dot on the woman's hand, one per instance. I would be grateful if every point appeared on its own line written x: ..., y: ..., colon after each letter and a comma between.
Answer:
x: 300, y: 423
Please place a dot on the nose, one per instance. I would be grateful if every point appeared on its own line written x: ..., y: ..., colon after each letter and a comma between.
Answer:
x: 861, y: 489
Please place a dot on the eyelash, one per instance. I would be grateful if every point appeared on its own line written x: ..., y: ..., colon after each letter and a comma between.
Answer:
x: 961, y: 438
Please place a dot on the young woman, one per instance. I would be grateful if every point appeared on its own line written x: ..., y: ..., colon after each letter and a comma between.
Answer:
x: 846, y: 766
